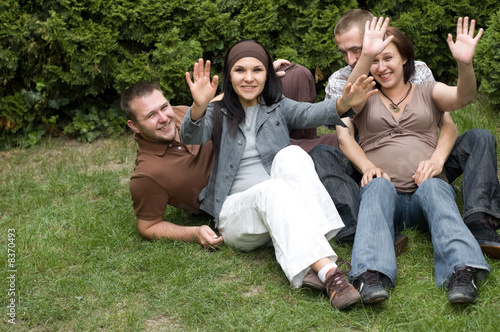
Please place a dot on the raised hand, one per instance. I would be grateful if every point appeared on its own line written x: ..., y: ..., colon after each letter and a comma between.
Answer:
x: 202, y: 90
x: 465, y: 45
x: 357, y: 93
x: 373, y: 40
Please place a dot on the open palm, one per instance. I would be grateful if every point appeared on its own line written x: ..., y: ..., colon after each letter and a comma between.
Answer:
x: 465, y: 45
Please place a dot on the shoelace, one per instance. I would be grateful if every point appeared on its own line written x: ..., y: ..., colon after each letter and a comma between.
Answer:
x: 464, y: 276
x: 338, y: 280
x: 371, y: 278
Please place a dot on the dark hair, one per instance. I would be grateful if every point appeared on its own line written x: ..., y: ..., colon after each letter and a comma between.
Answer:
x: 271, y: 94
x: 405, y: 49
x: 136, y: 90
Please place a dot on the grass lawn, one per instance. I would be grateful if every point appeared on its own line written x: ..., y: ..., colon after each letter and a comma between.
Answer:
x: 80, y: 265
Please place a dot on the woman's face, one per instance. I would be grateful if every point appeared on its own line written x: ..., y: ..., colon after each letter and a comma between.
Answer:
x: 387, y: 68
x: 248, y: 77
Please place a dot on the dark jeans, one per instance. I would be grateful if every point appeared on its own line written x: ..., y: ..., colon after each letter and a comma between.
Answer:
x: 474, y: 156
x: 341, y: 180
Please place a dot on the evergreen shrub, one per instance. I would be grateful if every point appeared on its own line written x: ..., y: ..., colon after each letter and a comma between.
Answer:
x: 64, y: 63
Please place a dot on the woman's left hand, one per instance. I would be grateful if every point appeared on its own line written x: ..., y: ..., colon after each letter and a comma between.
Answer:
x: 426, y: 170
x: 464, y: 47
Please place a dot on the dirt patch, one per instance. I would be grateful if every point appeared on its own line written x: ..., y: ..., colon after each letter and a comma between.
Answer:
x: 162, y: 323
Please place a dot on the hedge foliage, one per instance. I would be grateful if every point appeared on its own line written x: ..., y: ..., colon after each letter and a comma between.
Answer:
x: 64, y: 63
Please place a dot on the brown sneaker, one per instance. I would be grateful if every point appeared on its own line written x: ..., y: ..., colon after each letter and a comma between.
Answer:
x: 341, y: 293
x: 311, y: 280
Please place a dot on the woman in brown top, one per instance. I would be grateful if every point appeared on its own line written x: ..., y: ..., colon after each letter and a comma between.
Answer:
x: 398, y: 129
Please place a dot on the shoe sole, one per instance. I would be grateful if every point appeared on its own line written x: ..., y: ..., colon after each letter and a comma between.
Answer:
x: 461, y: 300
x: 401, y: 245
x: 352, y: 302
x: 314, y: 286
x: 492, y: 251
x: 375, y: 298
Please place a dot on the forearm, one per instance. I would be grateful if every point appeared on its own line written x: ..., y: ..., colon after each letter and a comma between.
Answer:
x: 446, y: 141
x: 351, y: 149
x: 466, y: 85
x: 356, y: 155
x: 197, y: 111
x: 154, y: 230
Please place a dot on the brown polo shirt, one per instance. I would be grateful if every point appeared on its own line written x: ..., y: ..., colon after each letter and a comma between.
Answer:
x: 169, y: 174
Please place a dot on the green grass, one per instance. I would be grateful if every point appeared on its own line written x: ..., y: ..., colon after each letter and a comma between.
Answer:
x: 81, y: 265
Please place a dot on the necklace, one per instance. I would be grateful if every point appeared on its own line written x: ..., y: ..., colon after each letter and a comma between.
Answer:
x: 393, y: 106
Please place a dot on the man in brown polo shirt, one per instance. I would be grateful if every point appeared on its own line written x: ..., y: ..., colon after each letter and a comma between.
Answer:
x: 167, y: 172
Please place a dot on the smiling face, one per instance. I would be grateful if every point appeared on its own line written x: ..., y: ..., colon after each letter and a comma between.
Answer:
x: 155, y: 119
x: 387, y: 68
x: 248, y: 78
x: 350, y: 45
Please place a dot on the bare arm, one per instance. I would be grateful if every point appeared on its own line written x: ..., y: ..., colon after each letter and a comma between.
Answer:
x: 373, y: 44
x: 434, y: 166
x: 356, y: 155
x: 203, y: 235
x: 448, y: 98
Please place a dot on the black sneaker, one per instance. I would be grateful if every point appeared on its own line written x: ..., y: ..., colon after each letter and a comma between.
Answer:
x: 462, y: 287
x: 369, y: 286
x: 486, y: 236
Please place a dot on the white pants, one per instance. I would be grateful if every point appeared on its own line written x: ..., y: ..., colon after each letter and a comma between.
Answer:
x: 293, y: 209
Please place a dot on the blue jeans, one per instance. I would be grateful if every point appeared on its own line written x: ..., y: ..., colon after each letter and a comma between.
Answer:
x: 474, y: 155
x: 341, y: 180
x: 430, y: 208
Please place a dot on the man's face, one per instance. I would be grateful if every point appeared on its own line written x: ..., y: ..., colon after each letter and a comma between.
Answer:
x: 156, y: 121
x: 350, y: 45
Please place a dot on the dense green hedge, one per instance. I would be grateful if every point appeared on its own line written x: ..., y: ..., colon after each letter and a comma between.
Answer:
x: 64, y: 63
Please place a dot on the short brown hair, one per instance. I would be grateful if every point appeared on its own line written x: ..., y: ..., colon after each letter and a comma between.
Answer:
x: 136, y: 90
x: 351, y: 19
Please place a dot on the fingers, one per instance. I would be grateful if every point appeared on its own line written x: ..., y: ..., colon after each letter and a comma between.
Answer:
x: 215, y: 81
x: 188, y: 79
x: 366, y: 82
x: 377, y: 24
x: 279, y: 62
x: 373, y: 173
x: 201, y: 71
x: 479, y: 34
x: 207, y: 68
x: 207, y: 238
x: 459, y: 26
x: 464, y: 28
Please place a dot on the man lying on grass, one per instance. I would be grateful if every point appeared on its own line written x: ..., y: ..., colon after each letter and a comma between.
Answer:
x: 167, y: 172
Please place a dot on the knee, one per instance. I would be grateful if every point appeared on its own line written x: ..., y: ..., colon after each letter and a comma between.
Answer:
x: 275, y: 188
x: 482, y: 138
x: 326, y: 154
x: 291, y: 154
x: 380, y: 185
x: 435, y: 186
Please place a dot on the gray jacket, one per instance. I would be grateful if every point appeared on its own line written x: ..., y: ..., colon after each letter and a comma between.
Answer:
x: 273, y: 126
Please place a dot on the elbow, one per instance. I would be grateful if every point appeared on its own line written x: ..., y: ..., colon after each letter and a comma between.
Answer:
x: 146, y: 229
